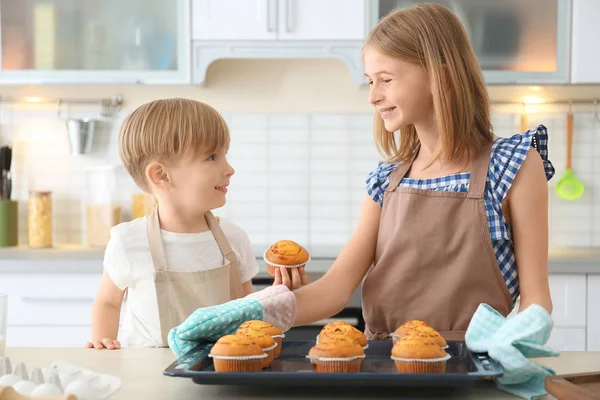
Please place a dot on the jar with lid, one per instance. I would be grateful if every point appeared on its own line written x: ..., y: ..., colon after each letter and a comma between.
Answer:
x: 40, y: 219
x: 142, y: 204
x: 102, y: 210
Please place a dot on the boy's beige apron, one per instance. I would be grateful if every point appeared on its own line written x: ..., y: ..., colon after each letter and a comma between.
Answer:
x: 434, y: 259
x: 179, y: 294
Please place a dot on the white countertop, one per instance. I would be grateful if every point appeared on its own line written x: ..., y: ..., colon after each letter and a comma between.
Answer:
x: 140, y: 371
x: 81, y: 259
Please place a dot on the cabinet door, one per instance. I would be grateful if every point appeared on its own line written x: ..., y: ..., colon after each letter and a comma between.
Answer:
x: 585, y: 44
x: 47, y: 336
x: 322, y: 20
x: 569, y: 300
x: 89, y: 41
x: 516, y: 42
x: 234, y: 19
x: 567, y: 339
x: 593, y: 313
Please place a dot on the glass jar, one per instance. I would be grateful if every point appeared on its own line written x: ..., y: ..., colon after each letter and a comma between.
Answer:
x: 102, y: 210
x: 142, y: 204
x: 40, y: 219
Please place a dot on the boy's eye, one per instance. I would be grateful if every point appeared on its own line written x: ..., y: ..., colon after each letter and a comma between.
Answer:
x: 386, y: 80
x: 212, y: 157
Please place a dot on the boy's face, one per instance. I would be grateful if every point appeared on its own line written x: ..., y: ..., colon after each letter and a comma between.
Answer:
x: 199, y: 182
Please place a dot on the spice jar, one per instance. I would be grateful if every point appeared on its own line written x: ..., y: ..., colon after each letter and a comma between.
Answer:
x: 142, y: 204
x: 40, y: 219
x: 102, y: 211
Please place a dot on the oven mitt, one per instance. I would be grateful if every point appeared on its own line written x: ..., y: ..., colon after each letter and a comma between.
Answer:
x: 275, y: 305
x: 512, y: 342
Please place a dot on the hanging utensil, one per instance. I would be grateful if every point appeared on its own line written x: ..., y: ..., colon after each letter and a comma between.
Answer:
x: 569, y: 187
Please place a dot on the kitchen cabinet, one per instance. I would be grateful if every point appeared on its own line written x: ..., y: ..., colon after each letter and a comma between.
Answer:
x: 86, y: 41
x: 567, y: 339
x: 278, y: 29
x: 569, y: 300
x: 593, y: 313
x: 247, y: 20
x: 516, y: 42
x: 49, y: 309
x: 585, y: 48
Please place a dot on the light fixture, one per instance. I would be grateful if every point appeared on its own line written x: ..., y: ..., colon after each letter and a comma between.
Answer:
x: 532, y: 100
x: 33, y: 99
x: 535, y: 88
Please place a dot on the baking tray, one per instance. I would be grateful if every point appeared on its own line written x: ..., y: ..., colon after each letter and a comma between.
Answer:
x: 574, y: 386
x: 292, y: 368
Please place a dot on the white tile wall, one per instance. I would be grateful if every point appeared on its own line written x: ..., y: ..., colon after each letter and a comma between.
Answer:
x: 297, y: 176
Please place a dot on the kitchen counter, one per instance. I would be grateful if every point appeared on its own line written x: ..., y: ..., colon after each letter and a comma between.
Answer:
x: 140, y: 371
x: 79, y: 259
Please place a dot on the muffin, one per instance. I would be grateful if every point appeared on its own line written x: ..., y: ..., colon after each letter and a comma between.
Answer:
x: 237, y: 353
x: 342, y: 328
x: 267, y: 329
x: 285, y: 254
x: 419, y: 355
x: 430, y: 333
x: 337, y: 354
x: 266, y: 343
x: 407, y: 328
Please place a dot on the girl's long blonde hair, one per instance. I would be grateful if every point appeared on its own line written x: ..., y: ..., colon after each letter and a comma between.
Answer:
x: 431, y: 35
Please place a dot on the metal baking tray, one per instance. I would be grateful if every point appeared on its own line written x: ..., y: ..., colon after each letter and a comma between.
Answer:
x: 292, y: 368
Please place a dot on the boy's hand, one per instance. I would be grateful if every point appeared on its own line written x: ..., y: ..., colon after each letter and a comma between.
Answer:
x: 293, y: 278
x: 106, y: 343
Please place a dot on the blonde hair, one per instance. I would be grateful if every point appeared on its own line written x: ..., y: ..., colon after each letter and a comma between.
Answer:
x: 432, y: 36
x: 164, y: 130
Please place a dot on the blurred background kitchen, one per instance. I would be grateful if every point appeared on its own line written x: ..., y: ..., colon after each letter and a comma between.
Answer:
x: 287, y: 75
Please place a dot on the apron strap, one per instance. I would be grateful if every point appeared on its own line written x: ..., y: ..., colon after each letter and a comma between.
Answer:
x: 400, y: 172
x: 479, y: 171
x: 157, y: 250
x: 220, y: 237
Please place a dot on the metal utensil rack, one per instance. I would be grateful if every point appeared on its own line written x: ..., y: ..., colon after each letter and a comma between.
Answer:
x: 108, y: 106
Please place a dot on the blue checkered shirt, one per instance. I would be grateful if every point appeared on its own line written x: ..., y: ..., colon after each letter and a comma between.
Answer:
x: 507, y: 157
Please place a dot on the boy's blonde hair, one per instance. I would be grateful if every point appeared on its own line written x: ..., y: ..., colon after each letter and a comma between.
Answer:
x: 431, y: 35
x: 164, y: 130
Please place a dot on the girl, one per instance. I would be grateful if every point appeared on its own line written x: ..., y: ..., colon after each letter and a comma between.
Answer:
x: 457, y: 216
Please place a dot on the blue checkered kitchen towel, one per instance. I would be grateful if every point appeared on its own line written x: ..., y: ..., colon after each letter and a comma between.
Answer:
x: 512, y: 342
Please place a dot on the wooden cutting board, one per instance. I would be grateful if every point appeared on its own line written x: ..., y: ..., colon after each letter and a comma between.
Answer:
x: 574, y: 386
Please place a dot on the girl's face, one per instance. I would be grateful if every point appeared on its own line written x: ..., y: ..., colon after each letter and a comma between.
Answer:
x: 399, y: 90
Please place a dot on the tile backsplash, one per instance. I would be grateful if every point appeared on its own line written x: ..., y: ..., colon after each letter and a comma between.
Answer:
x: 298, y: 176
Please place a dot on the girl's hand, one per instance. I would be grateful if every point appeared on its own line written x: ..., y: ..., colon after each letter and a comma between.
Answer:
x: 293, y: 278
x: 106, y: 343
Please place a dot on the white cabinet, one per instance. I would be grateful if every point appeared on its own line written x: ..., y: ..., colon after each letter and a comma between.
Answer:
x: 234, y: 19
x: 278, y: 20
x: 593, y: 313
x: 49, y: 309
x: 585, y: 51
x: 322, y: 20
x: 567, y: 339
x: 569, y: 300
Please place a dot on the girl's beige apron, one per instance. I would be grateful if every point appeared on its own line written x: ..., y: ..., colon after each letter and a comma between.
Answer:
x: 434, y: 259
x: 179, y: 294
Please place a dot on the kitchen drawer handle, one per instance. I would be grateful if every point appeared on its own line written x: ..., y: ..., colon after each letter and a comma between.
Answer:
x: 288, y: 16
x: 271, y: 14
x: 58, y: 300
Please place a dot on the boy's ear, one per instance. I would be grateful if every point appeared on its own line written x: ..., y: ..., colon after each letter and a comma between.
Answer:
x: 157, y: 175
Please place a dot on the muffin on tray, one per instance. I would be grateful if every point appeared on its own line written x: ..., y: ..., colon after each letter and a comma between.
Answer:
x: 237, y: 353
x: 266, y: 343
x: 407, y: 328
x: 342, y: 328
x: 419, y: 355
x: 337, y: 354
x: 285, y: 254
x: 268, y: 329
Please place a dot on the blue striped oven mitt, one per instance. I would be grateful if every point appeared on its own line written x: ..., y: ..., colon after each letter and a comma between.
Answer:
x: 512, y: 342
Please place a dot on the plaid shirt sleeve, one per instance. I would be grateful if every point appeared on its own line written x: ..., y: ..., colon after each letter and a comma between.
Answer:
x: 378, y: 181
x: 508, y: 154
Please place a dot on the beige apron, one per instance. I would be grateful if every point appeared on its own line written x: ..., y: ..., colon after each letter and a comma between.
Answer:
x: 179, y: 294
x: 434, y: 259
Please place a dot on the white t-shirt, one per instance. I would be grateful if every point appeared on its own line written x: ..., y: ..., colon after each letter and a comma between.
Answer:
x: 128, y: 262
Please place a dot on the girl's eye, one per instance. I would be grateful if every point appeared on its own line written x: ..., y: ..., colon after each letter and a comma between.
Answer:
x: 370, y: 83
x: 386, y: 80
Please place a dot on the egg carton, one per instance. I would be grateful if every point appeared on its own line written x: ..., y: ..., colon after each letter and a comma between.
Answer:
x: 59, y: 379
